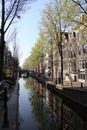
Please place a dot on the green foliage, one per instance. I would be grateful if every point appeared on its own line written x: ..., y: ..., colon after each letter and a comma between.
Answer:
x: 37, y: 53
x: 57, y: 17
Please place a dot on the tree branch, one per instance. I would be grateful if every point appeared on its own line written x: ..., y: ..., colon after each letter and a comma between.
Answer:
x: 12, y: 8
x: 80, y: 5
x: 13, y: 17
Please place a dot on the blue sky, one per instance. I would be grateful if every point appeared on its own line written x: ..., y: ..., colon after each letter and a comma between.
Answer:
x: 27, y: 28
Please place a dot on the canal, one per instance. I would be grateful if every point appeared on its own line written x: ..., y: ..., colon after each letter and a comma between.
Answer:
x: 41, y: 109
x: 34, y: 112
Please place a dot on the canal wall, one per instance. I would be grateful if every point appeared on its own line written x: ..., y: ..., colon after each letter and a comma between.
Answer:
x: 73, y: 111
x: 77, y: 93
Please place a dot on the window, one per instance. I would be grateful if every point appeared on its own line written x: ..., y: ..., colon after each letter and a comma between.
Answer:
x: 79, y: 65
x: 66, y: 35
x: 74, y: 34
x: 79, y: 50
x: 78, y: 36
x: 86, y: 64
x: 84, y: 48
x: 70, y: 44
x: 83, y: 64
x: 74, y: 54
x: 83, y: 76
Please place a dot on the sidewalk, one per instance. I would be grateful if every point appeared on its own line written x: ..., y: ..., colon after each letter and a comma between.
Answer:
x: 74, y: 84
x: 68, y: 84
x: 11, y: 115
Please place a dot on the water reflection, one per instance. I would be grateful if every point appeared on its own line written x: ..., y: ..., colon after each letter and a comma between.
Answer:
x: 34, y: 113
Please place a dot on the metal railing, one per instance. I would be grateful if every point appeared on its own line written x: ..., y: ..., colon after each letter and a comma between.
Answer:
x: 4, y: 86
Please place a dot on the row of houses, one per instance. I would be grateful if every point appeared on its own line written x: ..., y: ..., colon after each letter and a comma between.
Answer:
x: 74, y: 51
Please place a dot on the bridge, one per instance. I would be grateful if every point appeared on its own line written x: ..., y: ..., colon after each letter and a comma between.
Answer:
x: 24, y: 73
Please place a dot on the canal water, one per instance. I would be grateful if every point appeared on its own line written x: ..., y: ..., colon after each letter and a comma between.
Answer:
x: 34, y: 112
x: 43, y: 109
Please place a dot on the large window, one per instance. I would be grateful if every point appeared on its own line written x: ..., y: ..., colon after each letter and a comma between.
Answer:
x: 82, y: 76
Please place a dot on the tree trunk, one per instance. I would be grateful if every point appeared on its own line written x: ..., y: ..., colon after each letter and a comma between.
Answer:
x: 61, y: 55
x: 1, y: 60
x: 2, y: 44
x: 52, y: 64
x: 61, y: 65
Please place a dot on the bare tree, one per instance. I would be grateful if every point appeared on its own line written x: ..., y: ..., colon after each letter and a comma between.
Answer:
x: 10, y: 10
x: 15, y: 52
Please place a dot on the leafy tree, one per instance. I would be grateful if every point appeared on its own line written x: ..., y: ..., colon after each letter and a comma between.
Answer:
x: 38, y: 52
x: 57, y: 17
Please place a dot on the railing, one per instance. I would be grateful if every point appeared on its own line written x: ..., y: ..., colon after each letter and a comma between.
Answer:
x: 4, y: 86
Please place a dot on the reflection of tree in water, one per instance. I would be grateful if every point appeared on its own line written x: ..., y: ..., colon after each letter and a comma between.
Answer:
x: 39, y: 108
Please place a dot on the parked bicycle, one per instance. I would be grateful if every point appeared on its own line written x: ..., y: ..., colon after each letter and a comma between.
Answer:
x: 5, y: 85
